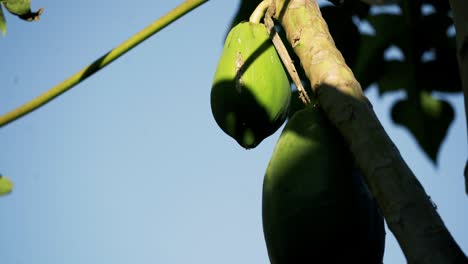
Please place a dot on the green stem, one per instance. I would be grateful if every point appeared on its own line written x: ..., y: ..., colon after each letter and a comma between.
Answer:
x: 102, y: 62
x: 259, y: 11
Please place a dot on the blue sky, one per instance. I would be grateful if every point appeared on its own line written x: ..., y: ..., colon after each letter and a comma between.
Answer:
x: 130, y: 166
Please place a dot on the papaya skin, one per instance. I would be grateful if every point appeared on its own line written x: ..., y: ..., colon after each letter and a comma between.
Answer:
x: 251, y: 92
x: 316, y: 206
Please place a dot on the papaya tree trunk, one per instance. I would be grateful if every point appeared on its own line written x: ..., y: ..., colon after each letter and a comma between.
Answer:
x: 408, y: 211
x: 460, y: 19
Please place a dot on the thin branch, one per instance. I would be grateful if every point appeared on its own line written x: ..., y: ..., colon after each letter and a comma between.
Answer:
x: 102, y: 62
x: 285, y: 58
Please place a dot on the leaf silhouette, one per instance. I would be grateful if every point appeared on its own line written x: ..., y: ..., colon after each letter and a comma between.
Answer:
x: 397, y: 76
x: 441, y: 75
x: 370, y: 55
x: 344, y: 32
x: 428, y: 120
x: 431, y: 66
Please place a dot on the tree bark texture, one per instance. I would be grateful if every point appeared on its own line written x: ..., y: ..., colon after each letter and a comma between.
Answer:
x: 408, y: 211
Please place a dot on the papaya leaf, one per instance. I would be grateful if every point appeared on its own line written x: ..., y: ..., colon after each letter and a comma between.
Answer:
x: 370, y: 55
x: 428, y: 121
x: 22, y: 9
x: 368, y: 66
x: 2, y: 22
x: 6, y: 185
x: 441, y: 6
x: 387, y: 26
x: 343, y: 30
x: 397, y: 76
x: 438, y: 23
x: 338, y: 3
x: 358, y: 8
x: 441, y: 74
x: 433, y: 32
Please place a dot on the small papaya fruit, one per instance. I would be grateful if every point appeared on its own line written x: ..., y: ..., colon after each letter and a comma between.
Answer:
x: 251, y: 91
x: 316, y: 208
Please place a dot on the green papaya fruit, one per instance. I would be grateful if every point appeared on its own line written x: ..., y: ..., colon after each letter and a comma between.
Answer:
x: 316, y: 208
x: 251, y: 91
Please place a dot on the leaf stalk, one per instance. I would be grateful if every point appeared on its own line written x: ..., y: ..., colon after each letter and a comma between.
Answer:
x: 101, y: 62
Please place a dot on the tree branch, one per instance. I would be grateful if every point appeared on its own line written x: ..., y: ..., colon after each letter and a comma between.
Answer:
x: 408, y: 211
x: 102, y: 62
x: 460, y: 19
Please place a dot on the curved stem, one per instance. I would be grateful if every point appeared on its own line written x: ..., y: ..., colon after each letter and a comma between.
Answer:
x: 102, y: 62
x: 259, y: 11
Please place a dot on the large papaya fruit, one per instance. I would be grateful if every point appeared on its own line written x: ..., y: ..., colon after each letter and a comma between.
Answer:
x: 251, y: 91
x: 316, y: 206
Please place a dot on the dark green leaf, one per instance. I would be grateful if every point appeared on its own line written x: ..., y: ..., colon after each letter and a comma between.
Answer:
x: 440, y: 75
x: 368, y: 67
x: 396, y: 76
x: 370, y: 55
x: 343, y: 30
x: 387, y: 25
x: 441, y: 6
x: 428, y: 120
x: 358, y: 8
x: 433, y: 30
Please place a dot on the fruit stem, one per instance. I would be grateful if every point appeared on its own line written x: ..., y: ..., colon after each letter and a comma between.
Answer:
x: 102, y: 62
x: 284, y: 55
x: 259, y: 11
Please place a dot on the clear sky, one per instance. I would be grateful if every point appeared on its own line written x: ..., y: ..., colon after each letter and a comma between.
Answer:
x: 130, y: 166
